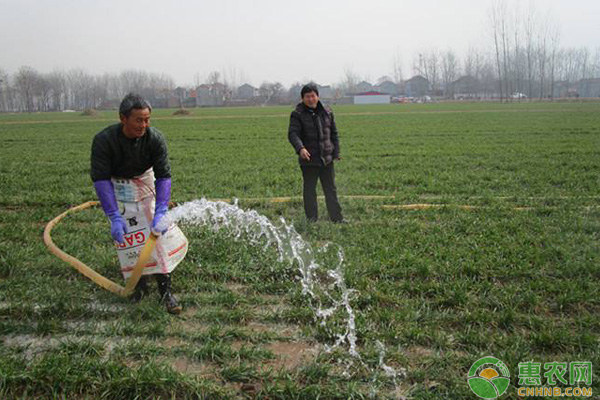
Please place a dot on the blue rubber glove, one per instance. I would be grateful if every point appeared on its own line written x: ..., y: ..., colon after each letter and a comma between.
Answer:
x: 106, y: 195
x: 163, y: 195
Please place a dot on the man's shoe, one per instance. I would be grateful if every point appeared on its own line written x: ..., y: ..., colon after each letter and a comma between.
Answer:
x: 141, y: 290
x: 172, y: 305
x: 164, y: 289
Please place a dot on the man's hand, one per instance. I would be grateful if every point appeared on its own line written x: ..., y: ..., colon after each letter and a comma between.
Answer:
x: 157, y: 229
x: 304, y: 154
x: 118, y: 228
x: 106, y: 194
x: 163, y: 195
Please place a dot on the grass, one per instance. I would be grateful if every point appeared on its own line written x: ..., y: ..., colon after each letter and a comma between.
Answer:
x: 516, y: 276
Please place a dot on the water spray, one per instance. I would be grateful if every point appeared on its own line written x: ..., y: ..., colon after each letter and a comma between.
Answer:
x: 329, y: 298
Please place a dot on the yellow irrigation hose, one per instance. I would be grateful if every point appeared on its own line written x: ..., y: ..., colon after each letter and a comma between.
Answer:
x: 89, y: 272
x: 151, y: 243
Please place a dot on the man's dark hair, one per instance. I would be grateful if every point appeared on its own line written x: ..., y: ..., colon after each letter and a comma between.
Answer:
x: 309, y: 87
x: 133, y: 101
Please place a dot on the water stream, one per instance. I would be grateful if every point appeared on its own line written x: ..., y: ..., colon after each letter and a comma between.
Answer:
x: 323, y: 284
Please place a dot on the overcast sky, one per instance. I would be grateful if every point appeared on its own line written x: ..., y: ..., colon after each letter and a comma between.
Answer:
x: 275, y: 40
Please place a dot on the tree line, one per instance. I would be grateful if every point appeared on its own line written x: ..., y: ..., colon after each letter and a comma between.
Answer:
x: 29, y: 90
x: 524, y: 55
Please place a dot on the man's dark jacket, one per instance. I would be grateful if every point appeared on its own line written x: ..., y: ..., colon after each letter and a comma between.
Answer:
x: 315, y: 130
x: 115, y: 155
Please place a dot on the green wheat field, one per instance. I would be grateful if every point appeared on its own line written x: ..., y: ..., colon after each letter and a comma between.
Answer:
x: 474, y: 230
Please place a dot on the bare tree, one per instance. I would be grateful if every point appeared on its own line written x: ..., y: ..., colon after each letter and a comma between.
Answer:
x: 450, y: 71
x: 568, y: 65
x: 10, y: 94
x: 517, y: 67
x: 58, y: 87
x: 542, y: 51
x: 496, y: 16
x: 506, y: 51
x: 554, y: 49
x: 271, y: 93
x: 213, y: 78
x: 502, y: 32
x: 4, y: 94
x: 294, y: 91
x: 595, y: 64
x: 530, y: 30
x: 398, y: 77
x: 232, y: 79
x: 198, y: 79
x: 134, y: 81
x: 43, y: 92
x: 488, y: 77
x: 351, y: 79
x: 159, y: 85
x: 584, y: 60
x: 474, y: 63
x: 427, y: 64
x: 25, y: 83
x: 79, y: 84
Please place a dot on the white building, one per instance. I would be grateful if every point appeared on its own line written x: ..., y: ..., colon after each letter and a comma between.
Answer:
x: 372, y: 98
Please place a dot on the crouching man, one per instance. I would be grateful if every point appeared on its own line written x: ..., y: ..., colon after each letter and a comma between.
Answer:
x: 132, y: 177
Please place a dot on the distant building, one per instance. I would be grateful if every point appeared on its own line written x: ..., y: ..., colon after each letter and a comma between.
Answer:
x: 417, y: 86
x: 326, y: 92
x: 180, y: 92
x: 157, y: 102
x: 363, y: 87
x: 589, y: 87
x: 210, y: 95
x: 246, y: 92
x: 294, y: 92
x: 174, y: 102
x: 372, y: 97
x: 560, y: 89
x: 465, y: 87
x: 388, y: 87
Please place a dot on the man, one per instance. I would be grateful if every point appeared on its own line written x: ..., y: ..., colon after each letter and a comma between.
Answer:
x: 132, y: 176
x: 314, y: 136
